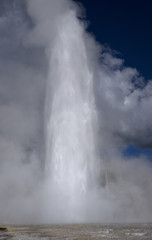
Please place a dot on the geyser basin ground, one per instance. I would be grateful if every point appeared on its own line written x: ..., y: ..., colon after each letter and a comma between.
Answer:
x: 78, y: 232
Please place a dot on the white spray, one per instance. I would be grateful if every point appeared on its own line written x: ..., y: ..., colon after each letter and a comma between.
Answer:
x: 71, y: 118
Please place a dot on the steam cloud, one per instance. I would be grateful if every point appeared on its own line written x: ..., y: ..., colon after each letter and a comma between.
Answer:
x: 123, y: 100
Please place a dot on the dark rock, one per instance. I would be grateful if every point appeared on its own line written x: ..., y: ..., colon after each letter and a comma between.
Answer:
x: 3, y: 229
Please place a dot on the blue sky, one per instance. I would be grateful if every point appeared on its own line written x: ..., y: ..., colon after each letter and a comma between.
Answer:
x: 133, y: 151
x: 125, y: 26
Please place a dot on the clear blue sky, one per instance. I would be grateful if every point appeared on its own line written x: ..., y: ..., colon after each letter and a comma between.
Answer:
x: 127, y: 27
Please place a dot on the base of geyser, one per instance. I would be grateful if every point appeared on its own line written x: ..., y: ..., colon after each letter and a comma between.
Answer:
x: 97, y: 205
x: 78, y: 231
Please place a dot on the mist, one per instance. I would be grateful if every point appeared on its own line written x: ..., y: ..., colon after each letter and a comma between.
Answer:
x: 44, y: 46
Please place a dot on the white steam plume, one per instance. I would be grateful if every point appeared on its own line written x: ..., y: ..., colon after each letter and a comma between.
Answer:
x: 102, y: 105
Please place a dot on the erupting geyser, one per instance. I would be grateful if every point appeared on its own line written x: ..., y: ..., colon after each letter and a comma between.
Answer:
x: 95, y: 107
x: 71, y: 118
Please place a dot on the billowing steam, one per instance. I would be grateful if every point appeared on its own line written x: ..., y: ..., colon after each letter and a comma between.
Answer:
x: 68, y: 109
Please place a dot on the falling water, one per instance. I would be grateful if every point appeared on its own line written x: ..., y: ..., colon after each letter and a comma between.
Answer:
x: 71, y: 118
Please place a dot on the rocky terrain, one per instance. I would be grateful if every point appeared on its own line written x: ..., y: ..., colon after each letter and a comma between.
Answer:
x: 77, y: 232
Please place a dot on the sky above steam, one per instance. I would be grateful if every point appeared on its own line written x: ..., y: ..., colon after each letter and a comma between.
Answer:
x: 126, y: 27
x: 123, y: 101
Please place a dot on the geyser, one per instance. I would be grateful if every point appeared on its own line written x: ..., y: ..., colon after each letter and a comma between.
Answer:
x: 71, y: 119
x: 94, y: 107
x: 87, y: 179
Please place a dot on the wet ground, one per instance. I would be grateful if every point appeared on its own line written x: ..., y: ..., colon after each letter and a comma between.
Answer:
x: 77, y: 232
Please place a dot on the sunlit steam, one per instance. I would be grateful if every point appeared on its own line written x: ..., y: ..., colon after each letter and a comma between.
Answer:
x: 68, y: 109
x: 71, y: 120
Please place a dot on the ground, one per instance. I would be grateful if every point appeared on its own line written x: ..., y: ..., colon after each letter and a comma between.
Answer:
x: 77, y: 232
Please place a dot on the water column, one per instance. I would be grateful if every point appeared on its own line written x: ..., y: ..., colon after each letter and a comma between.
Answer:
x: 70, y: 118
